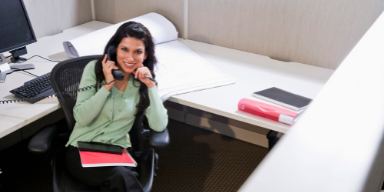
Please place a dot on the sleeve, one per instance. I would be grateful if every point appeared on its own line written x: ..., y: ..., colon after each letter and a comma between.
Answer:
x: 89, y: 102
x: 156, y: 113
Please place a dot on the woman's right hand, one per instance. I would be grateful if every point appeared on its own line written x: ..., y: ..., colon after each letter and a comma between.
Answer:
x: 107, y: 70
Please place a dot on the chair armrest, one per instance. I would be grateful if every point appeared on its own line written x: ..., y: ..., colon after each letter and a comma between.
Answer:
x: 41, y: 141
x: 159, y: 140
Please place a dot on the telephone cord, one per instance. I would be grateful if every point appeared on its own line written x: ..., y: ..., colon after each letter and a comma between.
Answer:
x: 54, y: 94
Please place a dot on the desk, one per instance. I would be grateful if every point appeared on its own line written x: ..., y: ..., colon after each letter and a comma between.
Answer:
x: 251, y: 71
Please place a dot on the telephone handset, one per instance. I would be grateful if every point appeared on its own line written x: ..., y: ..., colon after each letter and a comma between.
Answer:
x: 117, y: 74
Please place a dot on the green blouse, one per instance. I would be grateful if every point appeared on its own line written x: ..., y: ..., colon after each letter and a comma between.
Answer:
x: 107, y: 116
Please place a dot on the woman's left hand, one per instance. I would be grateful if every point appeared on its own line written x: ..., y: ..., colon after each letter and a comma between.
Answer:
x: 139, y: 74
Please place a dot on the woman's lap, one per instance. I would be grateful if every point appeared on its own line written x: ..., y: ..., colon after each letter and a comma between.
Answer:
x: 116, y: 178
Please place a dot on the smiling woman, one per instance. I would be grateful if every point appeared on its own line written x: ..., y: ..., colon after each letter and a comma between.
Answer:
x: 107, y: 114
x: 134, y: 46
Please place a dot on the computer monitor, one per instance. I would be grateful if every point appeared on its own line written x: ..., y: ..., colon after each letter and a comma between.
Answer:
x: 15, y: 33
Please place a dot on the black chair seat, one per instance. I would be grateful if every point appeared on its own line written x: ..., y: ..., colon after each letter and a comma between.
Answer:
x: 63, y: 181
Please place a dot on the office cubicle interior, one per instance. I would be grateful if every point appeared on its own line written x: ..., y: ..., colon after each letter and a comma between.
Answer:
x: 319, y: 33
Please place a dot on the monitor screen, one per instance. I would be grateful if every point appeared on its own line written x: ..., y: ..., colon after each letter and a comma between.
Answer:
x: 15, y: 28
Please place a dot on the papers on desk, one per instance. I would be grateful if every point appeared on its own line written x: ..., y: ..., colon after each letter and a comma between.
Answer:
x: 179, y: 70
x: 161, y: 29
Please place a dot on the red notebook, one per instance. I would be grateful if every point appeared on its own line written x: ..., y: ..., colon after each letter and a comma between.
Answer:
x: 99, y: 159
x: 268, y: 111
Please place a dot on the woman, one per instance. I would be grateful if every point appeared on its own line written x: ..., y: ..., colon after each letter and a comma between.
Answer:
x: 107, y: 114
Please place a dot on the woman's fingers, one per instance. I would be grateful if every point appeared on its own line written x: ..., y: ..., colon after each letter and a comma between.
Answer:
x: 137, y: 72
x: 108, y: 66
x: 140, y: 72
x: 111, y: 65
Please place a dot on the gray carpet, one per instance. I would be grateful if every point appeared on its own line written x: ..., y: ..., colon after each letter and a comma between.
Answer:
x: 196, y: 160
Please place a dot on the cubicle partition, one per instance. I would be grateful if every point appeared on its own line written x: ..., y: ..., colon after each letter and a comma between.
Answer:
x: 52, y: 17
x: 115, y: 11
x: 319, y: 33
x: 314, y: 32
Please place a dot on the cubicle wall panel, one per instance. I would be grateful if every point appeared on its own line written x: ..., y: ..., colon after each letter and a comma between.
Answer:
x: 52, y: 17
x: 314, y: 32
x: 115, y: 11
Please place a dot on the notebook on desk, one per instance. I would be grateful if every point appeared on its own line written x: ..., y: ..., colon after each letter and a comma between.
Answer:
x: 283, y: 98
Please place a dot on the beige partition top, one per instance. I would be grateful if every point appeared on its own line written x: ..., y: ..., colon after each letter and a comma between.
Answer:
x: 115, y: 11
x: 314, y: 32
x: 52, y: 17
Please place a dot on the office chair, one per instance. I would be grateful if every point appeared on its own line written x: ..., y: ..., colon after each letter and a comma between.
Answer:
x: 65, y: 77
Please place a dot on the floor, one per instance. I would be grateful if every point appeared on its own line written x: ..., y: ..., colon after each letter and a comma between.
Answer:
x: 195, y: 160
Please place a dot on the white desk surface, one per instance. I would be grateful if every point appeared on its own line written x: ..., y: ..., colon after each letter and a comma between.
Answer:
x: 338, y: 143
x: 252, y: 73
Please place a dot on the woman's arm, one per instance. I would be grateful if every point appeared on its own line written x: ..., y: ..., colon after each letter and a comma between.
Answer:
x: 89, y: 102
x: 156, y: 113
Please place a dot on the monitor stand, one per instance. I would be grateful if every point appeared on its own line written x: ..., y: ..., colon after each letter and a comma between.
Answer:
x: 6, y: 69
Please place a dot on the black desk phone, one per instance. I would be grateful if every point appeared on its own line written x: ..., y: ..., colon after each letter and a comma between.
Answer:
x: 117, y: 74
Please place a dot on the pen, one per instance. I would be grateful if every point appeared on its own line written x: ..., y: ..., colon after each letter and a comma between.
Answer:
x: 150, y: 78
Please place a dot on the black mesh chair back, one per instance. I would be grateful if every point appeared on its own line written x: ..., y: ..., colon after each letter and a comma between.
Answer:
x: 65, y: 80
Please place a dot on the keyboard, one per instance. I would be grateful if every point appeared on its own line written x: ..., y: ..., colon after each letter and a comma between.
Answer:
x: 35, y: 89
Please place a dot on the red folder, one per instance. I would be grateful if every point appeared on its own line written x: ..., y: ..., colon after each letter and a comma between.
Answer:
x: 99, y: 159
x: 268, y: 111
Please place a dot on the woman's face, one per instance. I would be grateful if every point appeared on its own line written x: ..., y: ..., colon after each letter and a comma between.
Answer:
x: 130, y: 54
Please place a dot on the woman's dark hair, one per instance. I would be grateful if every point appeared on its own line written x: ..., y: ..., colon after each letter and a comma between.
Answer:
x: 140, y: 32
